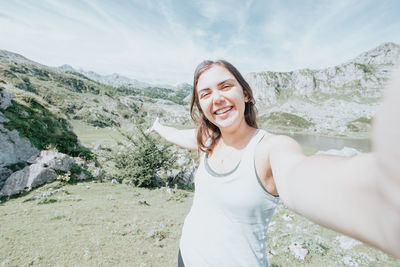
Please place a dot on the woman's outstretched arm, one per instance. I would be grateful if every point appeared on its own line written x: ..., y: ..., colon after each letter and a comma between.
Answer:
x: 358, y: 196
x: 183, y: 138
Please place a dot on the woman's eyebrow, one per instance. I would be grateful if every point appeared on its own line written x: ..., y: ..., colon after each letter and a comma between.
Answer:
x: 204, y: 89
x: 228, y: 80
x: 224, y: 81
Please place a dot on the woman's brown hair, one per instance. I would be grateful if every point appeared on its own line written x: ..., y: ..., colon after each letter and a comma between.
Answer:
x: 205, y: 129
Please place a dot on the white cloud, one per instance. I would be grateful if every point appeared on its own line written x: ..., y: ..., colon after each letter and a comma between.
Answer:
x: 152, y: 41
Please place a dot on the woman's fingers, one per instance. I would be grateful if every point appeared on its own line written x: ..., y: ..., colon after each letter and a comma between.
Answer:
x: 386, y: 141
x: 153, y: 128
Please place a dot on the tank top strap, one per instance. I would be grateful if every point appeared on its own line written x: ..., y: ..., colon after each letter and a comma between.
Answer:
x: 248, y: 154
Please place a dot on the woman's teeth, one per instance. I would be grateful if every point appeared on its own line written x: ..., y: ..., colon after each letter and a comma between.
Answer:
x: 221, y: 111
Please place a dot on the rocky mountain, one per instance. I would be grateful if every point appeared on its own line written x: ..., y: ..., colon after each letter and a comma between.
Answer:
x: 340, y: 99
x: 117, y: 80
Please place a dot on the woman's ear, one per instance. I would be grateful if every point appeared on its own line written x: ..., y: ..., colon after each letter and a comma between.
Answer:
x: 246, y: 96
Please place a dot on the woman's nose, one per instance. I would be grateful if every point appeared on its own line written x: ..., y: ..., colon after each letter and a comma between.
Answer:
x: 217, y: 97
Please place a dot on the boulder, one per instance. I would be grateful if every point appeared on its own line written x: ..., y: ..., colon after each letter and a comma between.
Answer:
x: 5, y: 99
x: 14, y: 149
x: 97, y: 147
x: 82, y: 176
x: 3, y: 118
x: 98, y: 173
x: 4, y: 174
x: 81, y: 162
x: 27, y: 178
x: 54, y: 160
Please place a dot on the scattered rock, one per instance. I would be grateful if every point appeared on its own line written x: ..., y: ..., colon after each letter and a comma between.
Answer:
x: 97, y: 147
x: 287, y: 217
x: 143, y: 202
x: 298, y: 250
x: 271, y: 253
x: 173, y: 173
x: 289, y: 225
x: 45, y: 194
x: 347, y: 242
x: 82, y: 176
x: 347, y: 260
x: 98, y: 173
x: 81, y: 162
x: 169, y: 191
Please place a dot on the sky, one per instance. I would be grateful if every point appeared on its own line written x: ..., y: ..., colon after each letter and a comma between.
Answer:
x: 162, y: 41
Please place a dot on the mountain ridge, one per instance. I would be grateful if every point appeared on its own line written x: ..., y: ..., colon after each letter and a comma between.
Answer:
x: 338, y: 100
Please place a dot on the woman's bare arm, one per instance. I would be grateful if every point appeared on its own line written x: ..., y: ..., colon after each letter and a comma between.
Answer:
x: 183, y: 138
x: 358, y: 196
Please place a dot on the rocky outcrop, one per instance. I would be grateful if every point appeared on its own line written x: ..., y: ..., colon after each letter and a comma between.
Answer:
x: 42, y: 170
x: 334, y: 99
x: 14, y: 149
x: 27, y: 178
x: 364, y: 76
x: 5, y: 98
x: 53, y: 160
x: 4, y: 174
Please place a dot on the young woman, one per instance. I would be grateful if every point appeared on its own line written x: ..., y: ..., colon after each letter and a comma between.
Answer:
x: 242, y: 169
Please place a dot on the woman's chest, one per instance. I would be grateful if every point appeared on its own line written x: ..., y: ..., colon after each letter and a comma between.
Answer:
x: 224, y: 161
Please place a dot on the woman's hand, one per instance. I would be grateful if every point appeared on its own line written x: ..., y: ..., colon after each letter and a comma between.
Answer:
x: 358, y: 196
x: 386, y: 143
x: 183, y: 138
x: 156, y: 125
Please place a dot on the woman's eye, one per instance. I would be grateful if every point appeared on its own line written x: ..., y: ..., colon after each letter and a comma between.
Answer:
x: 204, y: 95
x: 226, y: 86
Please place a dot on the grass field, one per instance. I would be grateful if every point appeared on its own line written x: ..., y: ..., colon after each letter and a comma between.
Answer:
x: 89, y: 135
x: 104, y: 224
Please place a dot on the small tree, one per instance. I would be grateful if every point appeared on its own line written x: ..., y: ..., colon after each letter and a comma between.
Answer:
x: 140, y: 163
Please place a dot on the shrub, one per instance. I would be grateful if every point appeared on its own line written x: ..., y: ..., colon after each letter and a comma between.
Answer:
x: 140, y: 162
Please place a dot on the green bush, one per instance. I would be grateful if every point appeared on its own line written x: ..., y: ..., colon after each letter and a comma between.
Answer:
x: 140, y: 162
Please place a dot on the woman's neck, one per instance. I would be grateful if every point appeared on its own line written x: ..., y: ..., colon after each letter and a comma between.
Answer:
x: 238, y: 137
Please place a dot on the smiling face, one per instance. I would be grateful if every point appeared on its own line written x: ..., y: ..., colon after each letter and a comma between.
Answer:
x: 221, y: 98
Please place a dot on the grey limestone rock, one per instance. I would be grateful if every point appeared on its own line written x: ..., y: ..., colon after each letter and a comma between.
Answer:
x: 5, y: 99
x: 14, y: 149
x: 4, y: 174
x: 82, y: 176
x: 54, y: 160
x: 98, y: 173
x: 27, y: 178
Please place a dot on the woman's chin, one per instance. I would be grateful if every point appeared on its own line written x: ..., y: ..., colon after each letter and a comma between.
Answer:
x: 227, y: 123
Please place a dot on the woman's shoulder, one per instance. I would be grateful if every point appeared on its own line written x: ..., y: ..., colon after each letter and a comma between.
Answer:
x: 271, y: 140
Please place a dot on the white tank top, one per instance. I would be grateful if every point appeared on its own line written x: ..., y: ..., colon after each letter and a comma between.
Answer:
x: 227, y: 224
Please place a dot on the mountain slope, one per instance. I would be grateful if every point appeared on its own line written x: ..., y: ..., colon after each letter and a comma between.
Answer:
x: 339, y: 100
x: 81, y: 98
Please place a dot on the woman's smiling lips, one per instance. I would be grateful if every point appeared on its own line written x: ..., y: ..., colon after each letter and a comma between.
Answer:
x: 222, y: 111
